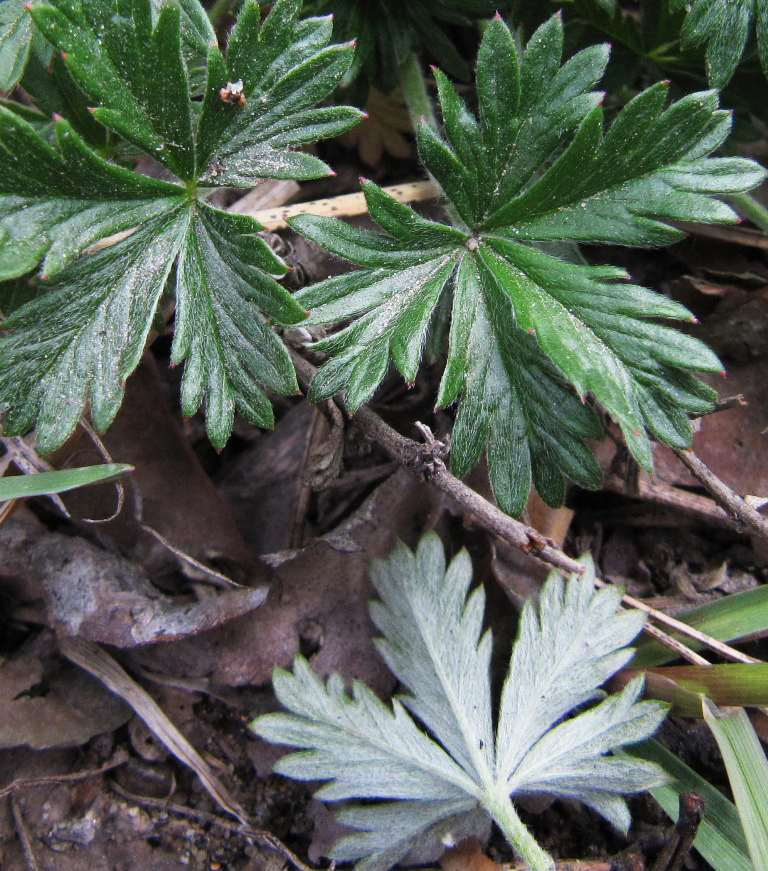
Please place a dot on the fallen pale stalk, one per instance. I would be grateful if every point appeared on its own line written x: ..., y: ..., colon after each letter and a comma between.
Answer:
x: 345, y: 206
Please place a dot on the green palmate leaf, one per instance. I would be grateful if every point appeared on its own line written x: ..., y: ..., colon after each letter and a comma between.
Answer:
x: 531, y: 334
x: 465, y: 774
x: 387, y: 31
x: 724, y: 26
x: 91, y: 309
x: 133, y: 69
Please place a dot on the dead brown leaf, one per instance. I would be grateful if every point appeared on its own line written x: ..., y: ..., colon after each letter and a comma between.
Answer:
x: 169, y: 491
x: 318, y: 603
x: 65, y: 708
x: 98, y: 596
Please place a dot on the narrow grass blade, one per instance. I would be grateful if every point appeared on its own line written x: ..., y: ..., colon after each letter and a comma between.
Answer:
x: 720, y: 839
x: 734, y: 684
x: 45, y: 483
x: 727, y: 619
x: 747, y: 768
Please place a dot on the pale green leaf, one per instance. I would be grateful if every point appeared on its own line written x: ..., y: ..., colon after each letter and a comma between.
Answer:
x: 456, y: 775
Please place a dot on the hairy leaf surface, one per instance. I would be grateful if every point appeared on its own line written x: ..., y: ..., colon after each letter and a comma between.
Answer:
x: 15, y: 42
x: 533, y: 335
x: 434, y: 643
x: 724, y: 26
x: 61, y: 205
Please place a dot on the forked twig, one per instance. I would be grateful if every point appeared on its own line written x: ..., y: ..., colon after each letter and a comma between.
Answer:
x: 731, y: 502
x: 424, y: 460
x: 120, y: 757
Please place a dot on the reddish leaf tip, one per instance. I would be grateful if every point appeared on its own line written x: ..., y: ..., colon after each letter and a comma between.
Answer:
x: 609, y: 46
x: 298, y: 393
x: 694, y: 319
x: 497, y: 16
x: 172, y: 365
x: 666, y: 83
x: 635, y: 432
x: 437, y: 408
x: 331, y: 173
x: 739, y: 219
x: 56, y: 116
x: 43, y: 277
x: 722, y: 373
x: 64, y: 55
x: 186, y: 418
x: 27, y: 6
x: 409, y: 384
x: 559, y: 14
x: 531, y: 332
x: 362, y: 179
x: 433, y: 67
x: 91, y: 109
x: 350, y: 414
x: 307, y: 313
x: 352, y: 43
x: 363, y: 116
x: 601, y: 97
x: 421, y: 119
x: 219, y: 450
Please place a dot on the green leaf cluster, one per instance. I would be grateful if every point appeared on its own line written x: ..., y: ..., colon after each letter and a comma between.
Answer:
x: 93, y: 304
x: 464, y: 771
x: 724, y: 26
x: 387, y: 31
x: 533, y: 335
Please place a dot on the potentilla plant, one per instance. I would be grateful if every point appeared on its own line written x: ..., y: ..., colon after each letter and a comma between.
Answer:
x: 533, y: 331
x: 553, y: 735
x: 85, y: 328
x: 93, y: 254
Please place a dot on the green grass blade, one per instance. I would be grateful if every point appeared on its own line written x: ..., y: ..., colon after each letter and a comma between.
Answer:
x: 733, y: 684
x: 720, y: 839
x: 46, y: 483
x: 747, y: 769
x: 727, y: 619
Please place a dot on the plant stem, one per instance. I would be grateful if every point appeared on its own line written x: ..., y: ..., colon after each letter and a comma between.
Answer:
x: 749, y: 207
x: 506, y: 818
x: 415, y: 92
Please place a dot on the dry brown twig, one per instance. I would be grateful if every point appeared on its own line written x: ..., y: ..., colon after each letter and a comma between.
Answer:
x: 426, y: 461
x: 120, y: 757
x: 23, y: 835
x: 731, y: 502
x: 261, y: 836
